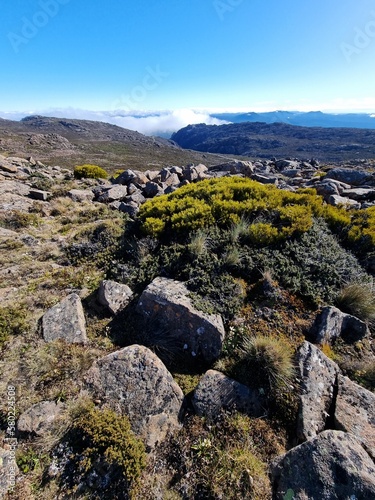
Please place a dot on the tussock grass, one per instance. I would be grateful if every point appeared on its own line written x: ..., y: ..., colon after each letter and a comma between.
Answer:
x: 239, y: 230
x: 199, y: 243
x: 268, y: 358
x: 358, y: 299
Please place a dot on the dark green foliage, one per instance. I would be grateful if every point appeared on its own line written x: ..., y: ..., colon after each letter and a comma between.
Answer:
x: 28, y: 460
x: 99, y: 244
x: 313, y: 265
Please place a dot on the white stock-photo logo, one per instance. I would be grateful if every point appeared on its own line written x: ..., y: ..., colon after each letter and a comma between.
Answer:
x: 222, y: 7
x: 150, y: 81
x: 362, y: 39
x: 30, y: 26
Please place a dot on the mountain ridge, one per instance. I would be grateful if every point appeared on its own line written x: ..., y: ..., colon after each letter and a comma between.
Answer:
x: 304, y: 119
x: 264, y: 140
x: 69, y: 142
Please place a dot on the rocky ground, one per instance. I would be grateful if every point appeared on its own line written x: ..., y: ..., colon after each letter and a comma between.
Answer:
x: 60, y: 314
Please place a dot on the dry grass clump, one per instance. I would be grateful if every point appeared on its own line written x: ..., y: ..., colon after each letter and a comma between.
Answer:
x: 239, y: 230
x: 358, y: 299
x: 269, y: 359
x: 199, y: 243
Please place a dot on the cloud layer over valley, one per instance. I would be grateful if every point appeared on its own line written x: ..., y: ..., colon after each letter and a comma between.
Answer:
x: 149, y: 123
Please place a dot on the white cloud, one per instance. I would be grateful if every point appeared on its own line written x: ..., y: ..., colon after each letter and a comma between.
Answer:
x: 164, y: 122
x: 148, y: 123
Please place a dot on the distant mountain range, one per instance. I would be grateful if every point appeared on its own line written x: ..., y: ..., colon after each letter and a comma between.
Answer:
x: 262, y: 140
x: 164, y: 123
x: 305, y: 119
x: 69, y: 142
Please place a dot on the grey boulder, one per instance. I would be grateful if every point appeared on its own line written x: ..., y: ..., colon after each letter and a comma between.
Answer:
x: 318, y: 376
x: 197, y: 333
x: 66, y: 321
x: 39, y: 419
x: 215, y: 392
x: 332, y: 466
x: 135, y: 382
x: 348, y: 176
x: 355, y: 412
x: 114, y: 296
x: 332, y: 323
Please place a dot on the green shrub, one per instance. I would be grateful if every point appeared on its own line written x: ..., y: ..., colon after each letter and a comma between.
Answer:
x: 357, y: 299
x: 13, y: 321
x: 16, y: 219
x: 263, y: 213
x: 88, y: 171
x: 97, y: 244
x: 267, y: 359
x: 263, y: 233
x: 105, y: 434
x: 28, y: 460
x: 362, y: 229
x: 314, y: 265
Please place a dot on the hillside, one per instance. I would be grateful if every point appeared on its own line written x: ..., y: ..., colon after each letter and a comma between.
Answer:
x: 261, y: 140
x: 67, y: 143
x: 193, y: 332
x: 304, y: 119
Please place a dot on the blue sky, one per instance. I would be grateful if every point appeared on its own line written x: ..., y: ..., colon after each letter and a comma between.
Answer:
x: 188, y: 54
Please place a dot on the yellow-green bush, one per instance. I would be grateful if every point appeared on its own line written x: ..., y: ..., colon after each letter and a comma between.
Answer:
x: 273, y: 214
x: 88, y: 171
x: 107, y: 434
x: 13, y: 321
x: 363, y: 227
x: 263, y: 233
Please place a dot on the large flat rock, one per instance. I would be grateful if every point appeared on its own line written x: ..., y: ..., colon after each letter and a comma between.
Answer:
x: 197, y: 333
x: 66, y: 321
x: 332, y: 466
x: 318, y: 376
x: 215, y: 392
x: 355, y: 412
x: 135, y: 382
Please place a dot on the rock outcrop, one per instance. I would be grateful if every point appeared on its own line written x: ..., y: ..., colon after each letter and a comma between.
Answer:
x: 355, y: 412
x: 331, y: 323
x: 351, y: 186
x: 196, y: 333
x: 134, y: 382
